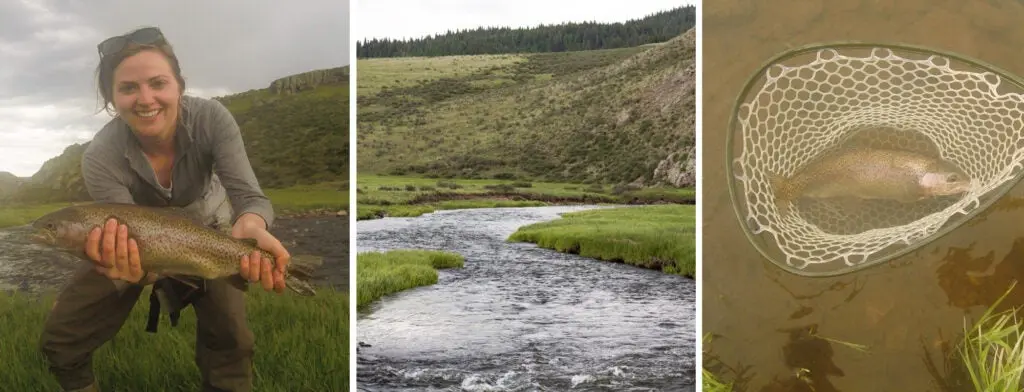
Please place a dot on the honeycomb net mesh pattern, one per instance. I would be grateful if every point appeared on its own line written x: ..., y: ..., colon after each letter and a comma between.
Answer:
x: 878, y: 99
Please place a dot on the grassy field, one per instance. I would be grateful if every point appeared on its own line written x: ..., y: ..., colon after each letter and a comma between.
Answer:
x: 301, y: 345
x: 659, y: 237
x: 607, y: 116
x: 406, y: 196
x: 399, y: 72
x: 328, y: 197
x: 382, y: 273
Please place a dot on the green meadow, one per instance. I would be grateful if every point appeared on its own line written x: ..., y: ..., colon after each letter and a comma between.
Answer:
x: 408, y: 196
x: 660, y: 237
x: 301, y: 345
x: 381, y: 273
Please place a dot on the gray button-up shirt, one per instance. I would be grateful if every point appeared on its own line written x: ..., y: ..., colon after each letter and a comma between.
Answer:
x: 210, y: 167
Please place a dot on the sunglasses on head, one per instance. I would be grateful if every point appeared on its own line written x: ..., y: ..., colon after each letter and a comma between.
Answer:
x: 143, y: 36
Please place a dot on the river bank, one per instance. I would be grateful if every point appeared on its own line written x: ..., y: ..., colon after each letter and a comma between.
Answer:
x: 407, y: 196
x: 383, y: 273
x: 657, y: 237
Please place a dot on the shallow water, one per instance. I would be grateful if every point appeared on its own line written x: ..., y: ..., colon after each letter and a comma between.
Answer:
x: 521, y: 318
x: 31, y: 268
x: 768, y: 324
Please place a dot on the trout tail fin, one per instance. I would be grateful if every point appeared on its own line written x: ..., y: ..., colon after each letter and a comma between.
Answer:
x: 300, y: 270
x: 781, y: 193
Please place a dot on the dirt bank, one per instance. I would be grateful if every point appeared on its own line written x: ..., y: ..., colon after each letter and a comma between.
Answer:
x: 325, y: 236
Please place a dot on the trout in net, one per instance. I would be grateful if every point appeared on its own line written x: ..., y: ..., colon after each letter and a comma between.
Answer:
x: 924, y: 118
x: 170, y: 242
x: 871, y: 173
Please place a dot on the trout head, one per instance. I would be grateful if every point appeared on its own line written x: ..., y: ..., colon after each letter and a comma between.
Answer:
x: 65, y: 229
x: 945, y: 182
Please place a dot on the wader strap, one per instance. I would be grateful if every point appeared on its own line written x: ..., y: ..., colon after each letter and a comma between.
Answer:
x: 176, y: 295
x: 154, y: 312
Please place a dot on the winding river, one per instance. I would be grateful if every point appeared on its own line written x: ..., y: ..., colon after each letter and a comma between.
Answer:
x: 522, y: 318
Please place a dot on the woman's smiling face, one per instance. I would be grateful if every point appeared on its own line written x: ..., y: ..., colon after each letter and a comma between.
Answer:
x: 146, y: 94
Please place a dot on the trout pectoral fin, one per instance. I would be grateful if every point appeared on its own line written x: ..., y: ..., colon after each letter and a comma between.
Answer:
x: 303, y: 265
x: 183, y: 281
x: 299, y: 286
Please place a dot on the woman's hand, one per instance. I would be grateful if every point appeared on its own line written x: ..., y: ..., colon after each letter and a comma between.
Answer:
x: 254, y: 267
x: 115, y: 255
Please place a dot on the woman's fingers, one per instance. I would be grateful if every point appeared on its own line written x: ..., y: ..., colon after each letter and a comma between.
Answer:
x: 244, y: 268
x: 134, y: 263
x: 121, y: 252
x: 267, y: 276
x: 109, y: 242
x: 92, y: 246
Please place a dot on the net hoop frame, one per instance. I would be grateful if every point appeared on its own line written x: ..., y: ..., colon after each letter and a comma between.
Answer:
x: 762, y: 71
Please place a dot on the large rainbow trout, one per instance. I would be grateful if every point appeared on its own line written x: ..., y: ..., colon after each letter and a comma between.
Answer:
x: 170, y: 242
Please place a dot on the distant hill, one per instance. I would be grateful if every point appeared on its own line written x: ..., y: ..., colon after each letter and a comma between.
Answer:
x: 657, y: 27
x: 8, y: 183
x: 623, y: 116
x: 295, y: 132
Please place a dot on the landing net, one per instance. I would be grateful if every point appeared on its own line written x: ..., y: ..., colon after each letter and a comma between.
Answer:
x: 811, y: 101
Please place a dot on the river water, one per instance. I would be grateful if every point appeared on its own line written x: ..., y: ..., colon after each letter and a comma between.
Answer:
x: 774, y: 331
x: 521, y: 318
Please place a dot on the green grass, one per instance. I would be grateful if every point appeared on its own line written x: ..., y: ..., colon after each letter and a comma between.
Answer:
x: 397, y: 72
x: 410, y: 196
x: 382, y: 273
x: 660, y: 237
x: 22, y: 214
x: 331, y: 196
x: 993, y: 350
x: 301, y: 345
x: 710, y: 382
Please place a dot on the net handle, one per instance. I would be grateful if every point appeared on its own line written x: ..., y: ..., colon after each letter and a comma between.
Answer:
x: 839, y: 45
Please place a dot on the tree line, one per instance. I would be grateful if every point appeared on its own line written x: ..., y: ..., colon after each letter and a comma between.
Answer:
x: 563, y: 37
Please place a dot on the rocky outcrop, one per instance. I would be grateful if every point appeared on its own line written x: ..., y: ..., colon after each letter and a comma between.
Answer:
x: 678, y: 169
x: 309, y: 80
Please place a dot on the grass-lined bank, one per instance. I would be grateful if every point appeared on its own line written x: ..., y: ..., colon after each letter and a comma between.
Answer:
x: 301, y: 345
x: 382, y: 273
x: 660, y: 237
x: 409, y: 196
x: 328, y: 197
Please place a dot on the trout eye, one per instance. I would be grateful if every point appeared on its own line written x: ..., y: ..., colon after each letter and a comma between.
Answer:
x: 952, y: 178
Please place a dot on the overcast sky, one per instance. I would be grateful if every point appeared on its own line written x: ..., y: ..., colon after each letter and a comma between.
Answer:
x: 47, y: 80
x: 417, y: 18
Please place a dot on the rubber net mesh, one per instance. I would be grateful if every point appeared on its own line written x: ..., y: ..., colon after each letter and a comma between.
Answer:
x: 876, y: 98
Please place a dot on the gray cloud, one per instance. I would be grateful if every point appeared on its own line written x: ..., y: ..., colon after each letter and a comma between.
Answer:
x: 49, y: 52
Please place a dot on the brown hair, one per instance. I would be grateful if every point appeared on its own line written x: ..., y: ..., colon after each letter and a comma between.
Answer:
x: 105, y: 70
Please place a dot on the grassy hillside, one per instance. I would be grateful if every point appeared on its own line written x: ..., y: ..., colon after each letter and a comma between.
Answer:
x: 8, y: 183
x: 295, y: 133
x: 610, y: 116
